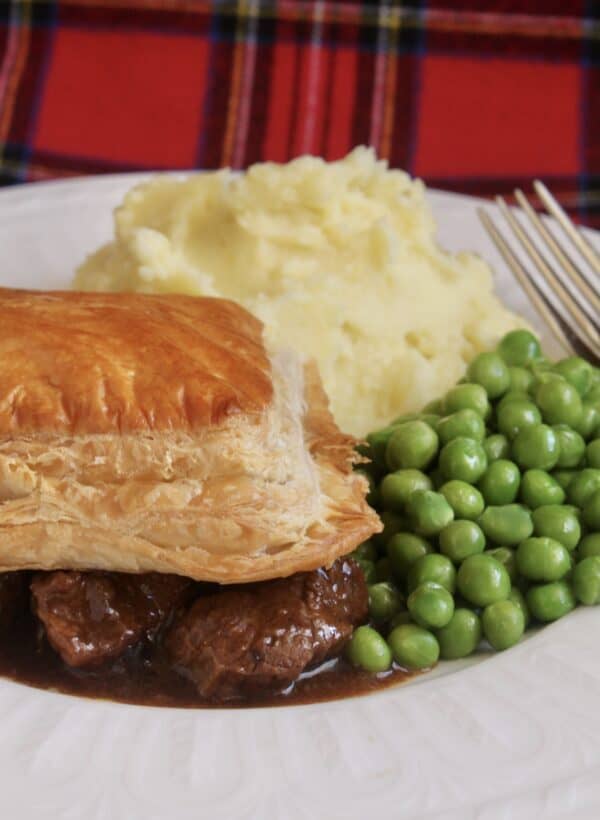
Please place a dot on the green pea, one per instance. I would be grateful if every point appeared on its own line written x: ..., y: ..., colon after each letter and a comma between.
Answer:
x: 539, y: 488
x: 542, y: 368
x: 591, y: 511
x: 500, y: 482
x: 384, y: 601
x: 396, y: 488
x: 506, y: 525
x: 577, y: 372
x: 404, y: 549
x: 558, y: 521
x: 589, y: 545
x: 586, y: 580
x: 559, y: 402
x: 506, y: 557
x: 564, y: 477
x: 593, y: 393
x: 496, y: 446
x: 467, y: 396
x: 465, y: 500
x: 482, y: 580
x: 503, y: 624
x: 549, y: 602
x: 542, y: 559
x: 433, y: 567
x: 517, y: 415
x: 490, y: 371
x: 373, y: 498
x: 461, y: 635
x: 592, y: 454
x: 536, y: 448
x: 392, y: 523
x: 406, y: 417
x: 517, y: 597
x: 589, y: 420
x: 402, y: 617
x: 521, y: 379
x: 543, y: 375
x: 519, y: 348
x: 377, y: 444
x: 512, y: 395
x: 571, y: 446
x: 583, y: 486
x: 368, y: 568
x: 383, y: 569
x: 461, y: 538
x: 464, y: 423
x: 414, y: 647
x: 463, y: 459
x: 367, y: 649
x: 431, y: 605
x: 432, y: 419
x: 412, y: 445
x: 429, y: 512
x: 434, y: 406
x: 366, y: 550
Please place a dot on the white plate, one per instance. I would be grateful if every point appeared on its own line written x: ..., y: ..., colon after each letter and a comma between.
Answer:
x: 514, y: 736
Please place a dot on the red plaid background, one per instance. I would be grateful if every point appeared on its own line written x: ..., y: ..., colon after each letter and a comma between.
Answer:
x: 472, y: 96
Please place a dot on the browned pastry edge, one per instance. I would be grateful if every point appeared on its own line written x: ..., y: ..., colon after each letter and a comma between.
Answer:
x: 28, y: 540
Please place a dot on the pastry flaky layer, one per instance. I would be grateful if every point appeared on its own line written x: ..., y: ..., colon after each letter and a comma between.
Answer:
x: 156, y: 433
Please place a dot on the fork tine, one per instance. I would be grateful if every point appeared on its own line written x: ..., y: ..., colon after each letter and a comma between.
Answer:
x: 537, y: 298
x: 581, y: 325
x: 559, y: 214
x: 572, y: 271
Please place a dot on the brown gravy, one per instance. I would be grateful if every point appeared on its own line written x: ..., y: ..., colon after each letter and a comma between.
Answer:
x: 26, y: 657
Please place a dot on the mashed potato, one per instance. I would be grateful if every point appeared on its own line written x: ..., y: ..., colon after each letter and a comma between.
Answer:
x: 338, y: 259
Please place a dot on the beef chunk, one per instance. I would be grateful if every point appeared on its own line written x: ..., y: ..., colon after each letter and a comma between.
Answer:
x: 13, y: 588
x: 251, y: 638
x: 93, y: 617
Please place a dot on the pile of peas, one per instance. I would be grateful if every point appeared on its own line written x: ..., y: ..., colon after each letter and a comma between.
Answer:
x: 490, y: 501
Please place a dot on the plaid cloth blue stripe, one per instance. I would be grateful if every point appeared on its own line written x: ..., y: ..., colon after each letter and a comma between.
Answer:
x: 475, y: 97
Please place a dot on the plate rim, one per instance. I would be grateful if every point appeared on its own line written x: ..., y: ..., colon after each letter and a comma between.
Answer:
x: 427, y: 699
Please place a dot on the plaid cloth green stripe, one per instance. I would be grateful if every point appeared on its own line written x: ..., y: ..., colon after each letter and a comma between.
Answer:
x: 477, y: 97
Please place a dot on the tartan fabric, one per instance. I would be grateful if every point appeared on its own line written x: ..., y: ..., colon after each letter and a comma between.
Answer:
x: 472, y: 96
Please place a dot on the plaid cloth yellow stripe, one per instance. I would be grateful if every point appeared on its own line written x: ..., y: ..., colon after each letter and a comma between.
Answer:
x: 475, y: 97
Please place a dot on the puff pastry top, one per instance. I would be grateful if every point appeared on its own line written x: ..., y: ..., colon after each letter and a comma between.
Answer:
x: 155, y: 433
x: 118, y: 363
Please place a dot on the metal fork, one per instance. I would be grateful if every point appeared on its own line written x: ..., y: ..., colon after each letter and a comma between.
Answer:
x: 565, y: 293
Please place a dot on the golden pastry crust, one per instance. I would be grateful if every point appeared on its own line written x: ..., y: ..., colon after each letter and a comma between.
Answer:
x: 262, y: 492
x: 106, y: 362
